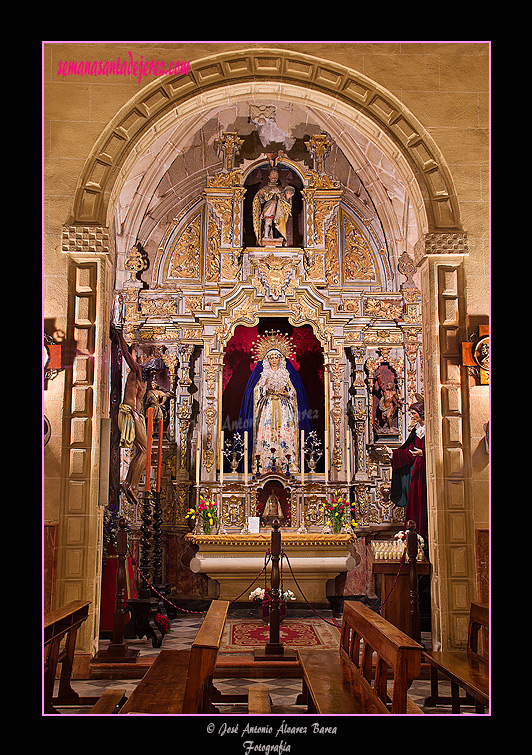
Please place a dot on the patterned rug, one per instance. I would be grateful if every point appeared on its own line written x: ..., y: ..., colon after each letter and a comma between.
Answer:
x: 245, y: 634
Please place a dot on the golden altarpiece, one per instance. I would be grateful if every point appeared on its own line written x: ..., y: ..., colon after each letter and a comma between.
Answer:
x: 330, y: 280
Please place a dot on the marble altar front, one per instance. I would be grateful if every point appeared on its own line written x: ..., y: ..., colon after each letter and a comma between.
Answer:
x: 232, y: 562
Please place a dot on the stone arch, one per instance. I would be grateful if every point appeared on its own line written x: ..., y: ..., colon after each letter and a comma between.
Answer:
x: 217, y: 78
x: 175, y: 105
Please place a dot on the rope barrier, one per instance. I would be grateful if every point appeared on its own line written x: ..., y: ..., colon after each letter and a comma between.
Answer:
x: 267, y: 557
x: 283, y: 554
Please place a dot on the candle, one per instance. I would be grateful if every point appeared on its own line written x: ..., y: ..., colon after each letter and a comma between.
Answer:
x: 197, y: 461
x: 326, y: 457
x: 160, y: 455
x: 302, y: 457
x: 221, y: 457
x: 149, y: 434
x: 348, y: 458
x: 245, y: 457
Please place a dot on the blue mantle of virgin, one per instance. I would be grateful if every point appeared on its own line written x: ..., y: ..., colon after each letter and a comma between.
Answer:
x: 245, y: 418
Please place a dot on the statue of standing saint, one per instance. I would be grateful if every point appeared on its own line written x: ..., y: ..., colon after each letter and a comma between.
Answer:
x: 272, y: 206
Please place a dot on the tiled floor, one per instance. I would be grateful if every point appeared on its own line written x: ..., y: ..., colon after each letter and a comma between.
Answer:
x: 283, y: 692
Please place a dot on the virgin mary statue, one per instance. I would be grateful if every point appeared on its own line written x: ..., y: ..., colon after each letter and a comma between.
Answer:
x: 275, y: 406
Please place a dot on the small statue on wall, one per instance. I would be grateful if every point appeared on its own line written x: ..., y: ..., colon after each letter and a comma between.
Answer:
x: 386, y: 403
x: 272, y: 509
x: 272, y: 206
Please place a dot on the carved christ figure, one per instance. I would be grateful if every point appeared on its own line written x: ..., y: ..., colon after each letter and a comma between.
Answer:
x: 389, y: 404
x: 272, y: 206
x: 131, y: 420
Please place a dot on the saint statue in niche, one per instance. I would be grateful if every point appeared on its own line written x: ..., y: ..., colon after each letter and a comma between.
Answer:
x: 275, y: 407
x: 272, y: 206
x: 386, y: 402
x: 272, y: 509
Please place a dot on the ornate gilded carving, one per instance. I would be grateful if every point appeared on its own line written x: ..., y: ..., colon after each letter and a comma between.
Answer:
x: 275, y: 273
x: 332, y: 265
x: 223, y: 207
x: 159, y: 307
x: 383, y: 309
x: 183, y: 414
x: 314, y: 264
x: 228, y: 145
x: 185, y: 252
x: 232, y: 264
x: 358, y: 258
x: 212, y: 258
x: 136, y: 262
x: 314, y: 514
x: 233, y: 511
x: 319, y: 146
x: 323, y: 208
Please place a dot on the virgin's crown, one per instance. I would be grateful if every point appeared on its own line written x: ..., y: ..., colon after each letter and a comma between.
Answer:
x: 271, y: 340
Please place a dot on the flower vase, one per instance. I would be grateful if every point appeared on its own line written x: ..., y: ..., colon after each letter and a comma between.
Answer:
x: 207, y: 528
x: 265, y: 611
x: 336, y: 526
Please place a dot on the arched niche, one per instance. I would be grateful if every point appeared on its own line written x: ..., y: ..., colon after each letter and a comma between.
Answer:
x: 255, y: 180
x: 238, y: 364
x: 281, y: 486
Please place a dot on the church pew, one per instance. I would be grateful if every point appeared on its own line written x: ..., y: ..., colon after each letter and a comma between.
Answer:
x: 349, y: 681
x: 259, y: 700
x: 180, y: 681
x: 60, y: 631
x: 467, y: 670
x: 108, y: 702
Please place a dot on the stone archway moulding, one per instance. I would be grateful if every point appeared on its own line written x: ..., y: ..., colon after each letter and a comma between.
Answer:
x: 88, y: 240
x: 349, y: 89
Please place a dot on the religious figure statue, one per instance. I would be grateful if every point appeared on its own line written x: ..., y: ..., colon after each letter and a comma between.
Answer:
x: 155, y: 398
x: 275, y: 407
x: 131, y: 419
x: 409, y: 483
x: 272, y: 509
x: 272, y: 206
x: 389, y: 404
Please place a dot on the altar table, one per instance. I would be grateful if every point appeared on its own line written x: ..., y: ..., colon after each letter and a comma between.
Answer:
x: 234, y: 560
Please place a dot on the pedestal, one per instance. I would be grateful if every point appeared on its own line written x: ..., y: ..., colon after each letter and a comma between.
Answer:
x: 396, y: 610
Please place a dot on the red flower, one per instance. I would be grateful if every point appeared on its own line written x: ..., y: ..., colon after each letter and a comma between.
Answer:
x: 162, y: 622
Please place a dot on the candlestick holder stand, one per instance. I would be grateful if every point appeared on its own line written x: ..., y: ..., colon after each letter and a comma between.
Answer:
x: 144, y: 608
x: 274, y: 649
x: 118, y: 651
x: 161, y: 589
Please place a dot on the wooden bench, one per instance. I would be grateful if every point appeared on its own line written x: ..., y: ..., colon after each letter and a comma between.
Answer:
x: 349, y: 681
x: 259, y: 700
x: 60, y: 631
x: 180, y: 681
x: 109, y: 702
x: 467, y: 670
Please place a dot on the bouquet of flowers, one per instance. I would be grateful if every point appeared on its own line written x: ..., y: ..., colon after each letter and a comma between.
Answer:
x: 264, y: 597
x: 336, y: 512
x: 163, y: 623
x: 261, y: 594
x: 208, y: 513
